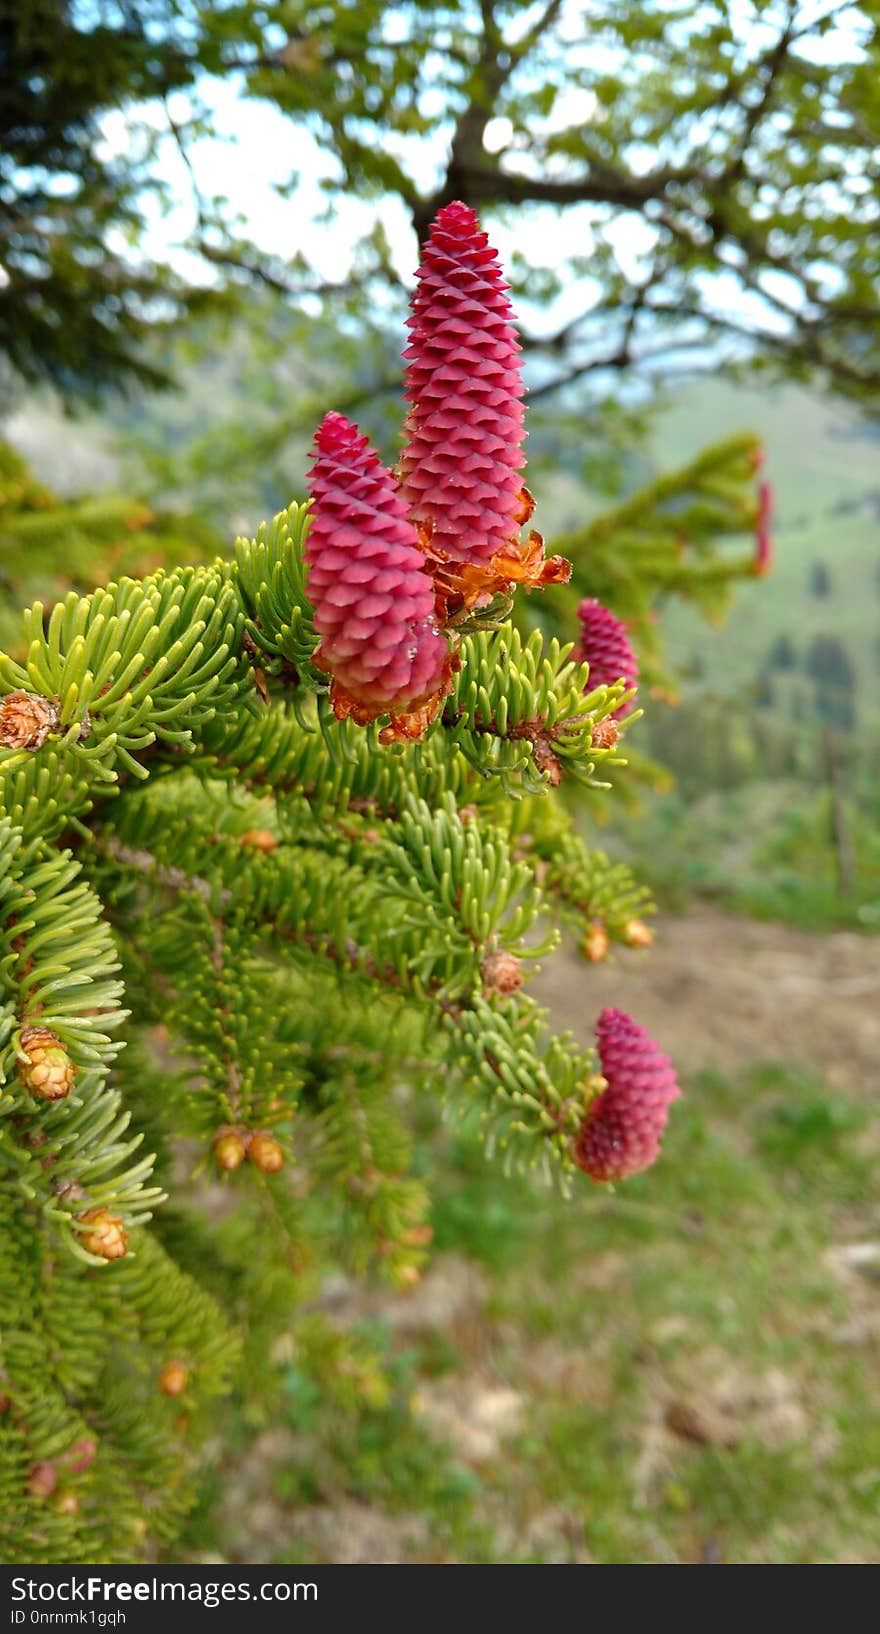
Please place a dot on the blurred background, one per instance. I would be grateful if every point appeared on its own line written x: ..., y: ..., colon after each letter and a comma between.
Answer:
x: 209, y: 224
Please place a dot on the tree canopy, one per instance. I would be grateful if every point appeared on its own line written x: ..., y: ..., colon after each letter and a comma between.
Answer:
x: 77, y: 296
x: 714, y: 163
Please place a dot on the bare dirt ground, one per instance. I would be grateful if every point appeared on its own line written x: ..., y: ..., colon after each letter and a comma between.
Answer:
x: 717, y: 990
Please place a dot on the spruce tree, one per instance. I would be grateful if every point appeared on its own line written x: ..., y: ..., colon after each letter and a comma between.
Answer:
x: 280, y: 833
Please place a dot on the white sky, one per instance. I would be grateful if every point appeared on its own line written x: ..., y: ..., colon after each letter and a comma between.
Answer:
x: 256, y: 148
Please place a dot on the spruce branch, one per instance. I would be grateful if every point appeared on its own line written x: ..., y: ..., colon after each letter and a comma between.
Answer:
x: 299, y: 809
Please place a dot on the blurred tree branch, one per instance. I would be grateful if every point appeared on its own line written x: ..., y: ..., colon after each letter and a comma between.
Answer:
x: 733, y: 149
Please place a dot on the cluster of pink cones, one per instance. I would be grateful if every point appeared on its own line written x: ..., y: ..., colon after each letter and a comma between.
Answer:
x: 395, y: 557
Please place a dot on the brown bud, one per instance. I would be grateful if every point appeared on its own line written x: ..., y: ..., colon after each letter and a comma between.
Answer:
x: 637, y: 934
x: 26, y: 719
x: 265, y: 1152
x: 596, y: 942
x: 104, y: 1233
x: 229, y: 1150
x: 502, y: 973
x: 5, y: 1403
x: 42, y: 1479
x: 67, y: 1191
x: 258, y: 839
x: 173, y: 1377
x: 604, y: 734
x: 546, y: 761
x: 48, y: 1072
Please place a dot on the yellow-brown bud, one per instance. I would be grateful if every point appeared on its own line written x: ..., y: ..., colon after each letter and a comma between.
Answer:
x: 637, y: 934
x: 265, y: 1152
x: 48, y: 1072
x: 173, y: 1377
x: 596, y: 942
x: 258, y: 839
x: 229, y: 1150
x: 104, y: 1233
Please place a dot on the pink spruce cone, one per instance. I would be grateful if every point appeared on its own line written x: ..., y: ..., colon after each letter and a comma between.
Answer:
x: 460, y: 470
x: 763, y: 560
x: 621, y: 1132
x: 605, y: 646
x: 373, y: 599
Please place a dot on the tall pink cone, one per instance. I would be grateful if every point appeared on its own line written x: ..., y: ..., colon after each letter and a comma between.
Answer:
x: 622, y: 1130
x: 460, y: 470
x: 763, y: 559
x: 373, y: 599
x: 606, y: 647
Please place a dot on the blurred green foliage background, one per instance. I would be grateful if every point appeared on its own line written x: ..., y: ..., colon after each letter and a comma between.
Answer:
x: 687, y: 1372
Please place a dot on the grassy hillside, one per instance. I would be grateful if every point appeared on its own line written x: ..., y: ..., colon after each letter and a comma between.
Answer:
x: 824, y: 464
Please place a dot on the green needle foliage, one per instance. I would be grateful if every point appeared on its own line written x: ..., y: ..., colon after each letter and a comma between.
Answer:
x: 237, y: 934
x: 282, y: 921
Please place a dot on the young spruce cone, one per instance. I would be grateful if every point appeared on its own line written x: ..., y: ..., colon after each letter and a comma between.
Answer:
x: 763, y: 559
x: 605, y: 646
x: 461, y: 468
x: 622, y: 1130
x: 373, y: 599
x: 42, y: 1479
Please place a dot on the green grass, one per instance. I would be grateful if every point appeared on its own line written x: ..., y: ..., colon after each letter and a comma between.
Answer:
x: 819, y: 451
x: 705, y: 1285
